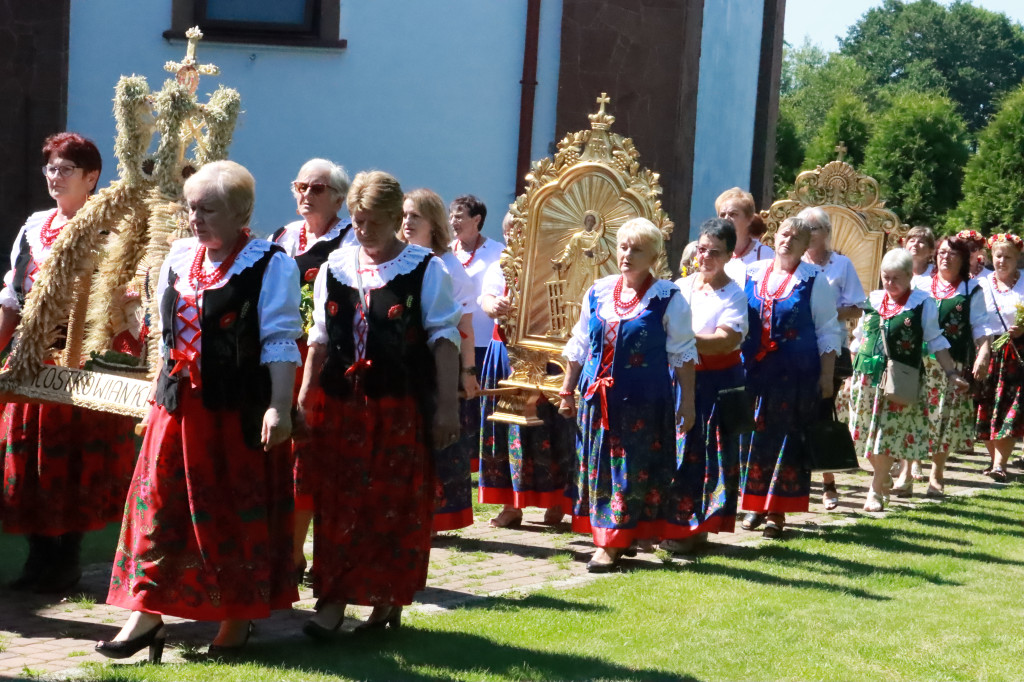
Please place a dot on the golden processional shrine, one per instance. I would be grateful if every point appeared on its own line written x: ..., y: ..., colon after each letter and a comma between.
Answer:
x: 101, y: 276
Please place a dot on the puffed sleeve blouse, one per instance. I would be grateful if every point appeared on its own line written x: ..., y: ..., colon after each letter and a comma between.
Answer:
x: 676, y: 321
x: 709, y: 310
x: 933, y: 338
x: 30, y: 231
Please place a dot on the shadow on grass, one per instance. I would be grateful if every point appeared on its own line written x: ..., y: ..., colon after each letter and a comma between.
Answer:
x: 421, y: 655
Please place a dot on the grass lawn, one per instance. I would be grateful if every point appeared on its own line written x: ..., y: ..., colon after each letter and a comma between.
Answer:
x: 932, y: 593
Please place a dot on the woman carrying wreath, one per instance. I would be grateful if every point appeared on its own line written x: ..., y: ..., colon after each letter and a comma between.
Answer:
x: 633, y: 335
x: 425, y: 223
x: 1001, y: 407
x: 901, y: 324
x: 319, y: 189
x: 966, y: 322
x: 207, y: 529
x: 789, y: 359
x: 65, y: 469
x: 384, y: 350
x: 705, y: 489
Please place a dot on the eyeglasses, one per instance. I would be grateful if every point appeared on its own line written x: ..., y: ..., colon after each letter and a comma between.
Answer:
x: 313, y: 188
x: 705, y: 251
x: 63, y: 171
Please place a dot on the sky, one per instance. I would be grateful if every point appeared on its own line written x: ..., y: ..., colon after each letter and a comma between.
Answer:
x: 825, y: 20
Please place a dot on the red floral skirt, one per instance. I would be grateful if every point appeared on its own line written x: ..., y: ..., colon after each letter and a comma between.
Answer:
x: 207, y: 530
x: 373, y: 484
x: 303, y: 491
x: 65, y: 469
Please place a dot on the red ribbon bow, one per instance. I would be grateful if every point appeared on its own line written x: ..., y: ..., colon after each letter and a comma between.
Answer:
x: 187, y: 360
x: 600, y: 387
x: 358, y: 368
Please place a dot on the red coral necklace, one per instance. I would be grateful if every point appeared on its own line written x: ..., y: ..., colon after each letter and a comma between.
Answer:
x: 998, y: 286
x: 890, y: 306
x: 946, y: 289
x: 48, y: 234
x: 773, y: 295
x: 197, y: 275
x: 305, y: 226
x: 472, y: 254
x: 623, y: 308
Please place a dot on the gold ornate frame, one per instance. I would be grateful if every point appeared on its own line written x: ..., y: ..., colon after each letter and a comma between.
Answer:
x: 862, y: 228
x: 595, y: 173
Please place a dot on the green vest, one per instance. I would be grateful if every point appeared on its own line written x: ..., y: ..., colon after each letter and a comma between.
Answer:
x: 955, y: 321
x: 904, y: 336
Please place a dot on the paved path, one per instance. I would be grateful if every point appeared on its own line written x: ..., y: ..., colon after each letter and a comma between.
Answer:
x: 41, y: 637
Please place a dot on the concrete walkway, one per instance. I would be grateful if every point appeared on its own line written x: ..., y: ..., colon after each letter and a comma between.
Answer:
x: 43, y: 637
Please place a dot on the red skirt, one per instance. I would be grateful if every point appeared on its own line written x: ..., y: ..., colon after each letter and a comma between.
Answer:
x: 373, y: 477
x: 65, y: 469
x: 207, y: 530
x: 303, y: 491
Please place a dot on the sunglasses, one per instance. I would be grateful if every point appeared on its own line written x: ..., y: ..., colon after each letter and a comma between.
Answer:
x: 313, y: 188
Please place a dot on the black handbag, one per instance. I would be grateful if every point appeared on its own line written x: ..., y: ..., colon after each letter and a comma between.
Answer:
x: 828, y: 444
x: 735, y: 410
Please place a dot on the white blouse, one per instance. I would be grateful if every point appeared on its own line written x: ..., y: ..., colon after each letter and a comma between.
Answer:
x: 709, y: 310
x: 462, y: 286
x: 278, y: 308
x: 1002, y: 302
x: 488, y: 252
x: 494, y: 282
x: 440, y: 313
x: 31, y: 229
x: 289, y: 239
x: 736, y: 267
x: 983, y: 319
x: 680, y: 343
x: 843, y: 278
x: 830, y: 334
x: 933, y: 337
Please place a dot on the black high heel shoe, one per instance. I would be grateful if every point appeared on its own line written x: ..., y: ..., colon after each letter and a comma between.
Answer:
x: 154, y: 639
x: 314, y: 630
x: 228, y: 651
x: 392, y: 621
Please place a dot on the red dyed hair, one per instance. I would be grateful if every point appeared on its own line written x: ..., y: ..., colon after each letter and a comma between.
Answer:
x: 79, y: 150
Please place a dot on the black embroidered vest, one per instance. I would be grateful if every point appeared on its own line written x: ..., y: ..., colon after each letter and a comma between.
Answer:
x: 21, y: 264
x: 401, y: 362
x: 316, y: 255
x: 232, y: 376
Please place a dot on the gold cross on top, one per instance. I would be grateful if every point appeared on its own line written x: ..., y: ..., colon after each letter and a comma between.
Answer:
x: 602, y: 100
x: 840, y: 150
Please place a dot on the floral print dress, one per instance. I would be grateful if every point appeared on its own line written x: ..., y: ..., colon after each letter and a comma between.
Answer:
x: 1001, y: 407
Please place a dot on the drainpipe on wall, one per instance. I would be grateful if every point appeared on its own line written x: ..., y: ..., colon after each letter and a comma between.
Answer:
x: 529, y: 90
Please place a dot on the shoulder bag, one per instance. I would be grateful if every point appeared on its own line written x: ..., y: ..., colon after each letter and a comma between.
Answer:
x: 900, y: 382
x: 828, y: 444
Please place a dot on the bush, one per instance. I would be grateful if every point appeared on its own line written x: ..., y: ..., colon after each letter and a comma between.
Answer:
x: 993, y: 189
x: 789, y: 151
x: 848, y: 121
x: 917, y: 153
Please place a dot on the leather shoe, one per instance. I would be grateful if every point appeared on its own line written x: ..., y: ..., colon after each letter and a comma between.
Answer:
x: 752, y: 520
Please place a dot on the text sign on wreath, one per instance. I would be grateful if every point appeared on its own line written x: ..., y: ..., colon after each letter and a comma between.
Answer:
x: 93, y: 390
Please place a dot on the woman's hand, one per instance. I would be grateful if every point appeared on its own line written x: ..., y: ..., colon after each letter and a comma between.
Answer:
x: 470, y: 385
x: 500, y: 307
x: 686, y: 416
x: 446, y: 425
x: 959, y: 384
x: 980, y: 369
x: 825, y: 385
x: 1015, y: 331
x: 277, y: 428
x: 567, y: 406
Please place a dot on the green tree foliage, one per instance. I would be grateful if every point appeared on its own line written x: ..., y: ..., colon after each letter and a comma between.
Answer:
x: 972, y: 54
x: 849, y: 122
x: 917, y: 153
x: 789, y: 151
x: 818, y: 88
x: 994, y: 179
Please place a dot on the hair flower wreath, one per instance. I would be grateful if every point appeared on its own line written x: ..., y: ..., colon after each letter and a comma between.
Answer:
x: 1006, y: 238
x: 972, y: 236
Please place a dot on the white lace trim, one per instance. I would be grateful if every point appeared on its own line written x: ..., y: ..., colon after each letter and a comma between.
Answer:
x: 604, y: 289
x: 280, y: 351
x: 33, y: 232
x: 917, y: 297
x: 341, y: 263
x: 183, y: 252
x: 680, y: 359
x: 289, y: 240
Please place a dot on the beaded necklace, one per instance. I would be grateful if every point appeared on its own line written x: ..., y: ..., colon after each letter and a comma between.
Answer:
x: 48, y: 234
x: 623, y: 308
x: 472, y: 254
x: 197, y: 275
x: 890, y: 307
x: 773, y: 296
x: 947, y: 289
x: 996, y: 283
x: 305, y: 226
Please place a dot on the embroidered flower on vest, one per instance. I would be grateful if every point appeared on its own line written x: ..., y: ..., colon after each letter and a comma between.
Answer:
x: 332, y: 308
x: 227, y: 320
x: 395, y: 311
x: 310, y: 274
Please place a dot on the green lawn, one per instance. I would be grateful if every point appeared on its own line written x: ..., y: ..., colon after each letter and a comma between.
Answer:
x: 932, y: 593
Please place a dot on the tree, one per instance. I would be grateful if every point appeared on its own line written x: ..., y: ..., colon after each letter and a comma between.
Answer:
x: 849, y: 122
x: 972, y: 54
x: 917, y: 153
x: 818, y: 89
x: 789, y: 151
x: 994, y: 179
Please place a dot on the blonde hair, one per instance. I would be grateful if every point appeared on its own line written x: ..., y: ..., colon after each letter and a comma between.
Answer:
x: 377, y: 191
x: 429, y: 205
x: 644, y: 232
x: 689, y: 256
x: 231, y: 183
x: 745, y: 199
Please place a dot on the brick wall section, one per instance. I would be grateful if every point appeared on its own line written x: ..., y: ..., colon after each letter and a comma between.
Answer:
x: 33, y: 103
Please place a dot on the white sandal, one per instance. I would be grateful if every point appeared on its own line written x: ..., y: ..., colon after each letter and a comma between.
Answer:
x: 875, y: 502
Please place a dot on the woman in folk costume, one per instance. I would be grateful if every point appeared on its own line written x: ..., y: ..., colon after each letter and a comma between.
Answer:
x: 1001, y: 407
x: 384, y: 350
x: 633, y: 335
x: 425, y: 223
x: 901, y: 324
x: 520, y: 466
x: 967, y: 324
x: 705, y: 489
x: 319, y: 189
x: 207, y: 530
x: 789, y: 358
x: 65, y: 469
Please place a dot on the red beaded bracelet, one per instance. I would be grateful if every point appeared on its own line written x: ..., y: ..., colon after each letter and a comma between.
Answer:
x: 567, y: 394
